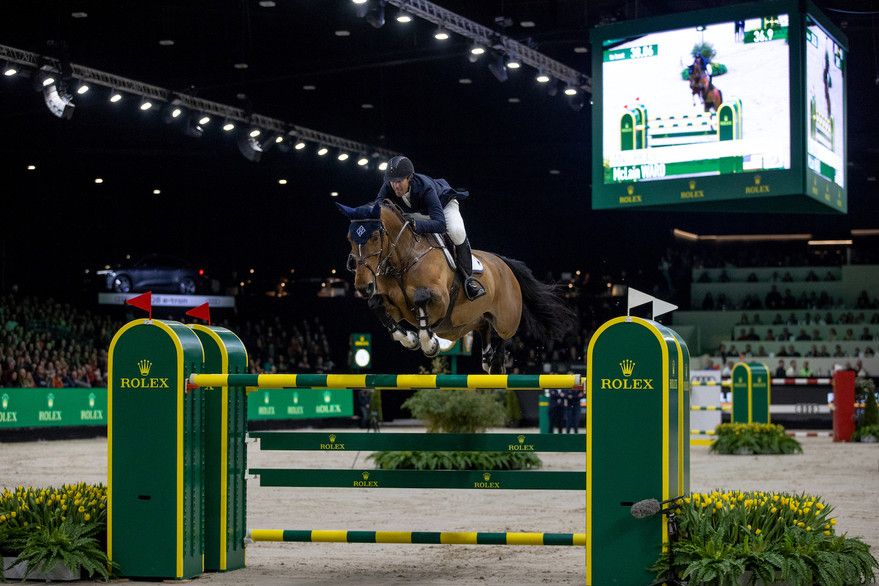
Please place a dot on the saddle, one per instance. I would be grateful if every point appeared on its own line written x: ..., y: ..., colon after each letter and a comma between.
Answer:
x: 443, y: 242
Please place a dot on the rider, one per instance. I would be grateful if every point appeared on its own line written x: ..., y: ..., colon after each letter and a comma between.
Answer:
x: 435, y: 198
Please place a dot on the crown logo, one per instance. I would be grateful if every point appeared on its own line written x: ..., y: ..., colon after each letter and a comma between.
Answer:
x: 364, y: 475
x: 486, y: 476
x: 332, y: 438
x: 265, y: 398
x: 630, y: 189
x: 91, y: 399
x: 757, y: 179
x: 144, y: 367
x: 692, y: 185
x: 327, y: 396
x: 295, y: 398
x: 521, y: 439
x: 4, y: 400
x: 627, y: 366
x: 50, y: 400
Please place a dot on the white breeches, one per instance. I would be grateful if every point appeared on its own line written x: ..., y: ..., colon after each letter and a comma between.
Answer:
x: 455, y: 223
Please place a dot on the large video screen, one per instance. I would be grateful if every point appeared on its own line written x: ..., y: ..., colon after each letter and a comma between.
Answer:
x: 825, y: 120
x: 701, y: 101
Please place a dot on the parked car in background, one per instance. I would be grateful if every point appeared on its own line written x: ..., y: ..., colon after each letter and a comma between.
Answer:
x: 154, y: 272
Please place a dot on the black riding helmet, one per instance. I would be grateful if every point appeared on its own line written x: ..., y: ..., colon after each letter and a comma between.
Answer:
x: 399, y: 168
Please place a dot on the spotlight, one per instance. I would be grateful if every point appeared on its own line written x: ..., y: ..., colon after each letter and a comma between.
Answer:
x: 83, y: 88
x: 476, y: 51
x: 404, y: 17
x: 115, y: 96
x: 362, y: 160
x: 145, y: 105
x: 282, y: 182
x: 255, y: 133
x: 322, y: 151
x: 252, y: 148
x: 513, y: 62
x: 173, y: 111
x: 497, y: 67
x: 376, y: 15
x: 299, y: 145
x: 441, y: 34
x: 228, y: 126
x: 203, y: 121
x: 281, y: 143
x: 176, y: 112
x: 193, y: 128
x: 58, y: 100
x: 343, y: 156
x: 383, y: 166
x: 542, y: 77
x: 570, y: 91
x: 9, y: 70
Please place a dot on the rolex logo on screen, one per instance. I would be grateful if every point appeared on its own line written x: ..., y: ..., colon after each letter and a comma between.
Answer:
x: 627, y: 382
x: 758, y: 187
x: 144, y: 367
x: 692, y: 184
x: 630, y: 189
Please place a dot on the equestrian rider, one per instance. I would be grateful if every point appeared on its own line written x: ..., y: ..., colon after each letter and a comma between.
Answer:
x: 436, y: 199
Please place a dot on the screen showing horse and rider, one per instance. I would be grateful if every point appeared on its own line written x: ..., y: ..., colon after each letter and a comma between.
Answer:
x: 825, y: 82
x: 697, y: 101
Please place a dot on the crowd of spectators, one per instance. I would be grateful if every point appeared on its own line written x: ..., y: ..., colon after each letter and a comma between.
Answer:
x: 44, y: 343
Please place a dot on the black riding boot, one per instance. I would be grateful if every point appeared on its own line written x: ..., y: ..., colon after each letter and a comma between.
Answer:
x: 463, y: 256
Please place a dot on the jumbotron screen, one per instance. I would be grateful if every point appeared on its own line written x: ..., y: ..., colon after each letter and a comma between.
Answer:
x: 825, y: 119
x: 701, y: 101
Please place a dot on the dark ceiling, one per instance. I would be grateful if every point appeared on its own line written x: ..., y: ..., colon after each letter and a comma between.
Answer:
x: 499, y: 140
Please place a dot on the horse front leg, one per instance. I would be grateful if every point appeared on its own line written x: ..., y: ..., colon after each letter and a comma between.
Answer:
x: 407, y: 338
x: 430, y: 307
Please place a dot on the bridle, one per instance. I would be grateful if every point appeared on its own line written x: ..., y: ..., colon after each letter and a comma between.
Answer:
x: 384, y: 266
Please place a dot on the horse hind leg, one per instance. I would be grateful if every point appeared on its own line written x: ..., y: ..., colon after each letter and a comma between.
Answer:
x: 494, y: 352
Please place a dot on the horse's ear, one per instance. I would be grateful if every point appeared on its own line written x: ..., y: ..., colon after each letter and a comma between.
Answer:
x: 376, y: 211
x: 348, y: 212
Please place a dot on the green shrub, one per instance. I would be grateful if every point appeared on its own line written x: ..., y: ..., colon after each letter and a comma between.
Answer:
x: 513, y: 409
x: 865, y: 432
x: 772, y: 536
x: 753, y: 438
x: 44, y: 526
x: 454, y: 411
x: 455, y: 460
x: 866, y: 394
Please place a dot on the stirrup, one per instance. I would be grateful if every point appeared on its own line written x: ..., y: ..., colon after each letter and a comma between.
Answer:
x: 473, y: 289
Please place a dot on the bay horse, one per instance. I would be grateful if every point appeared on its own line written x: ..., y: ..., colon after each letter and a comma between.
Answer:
x: 419, y: 298
x: 702, y: 85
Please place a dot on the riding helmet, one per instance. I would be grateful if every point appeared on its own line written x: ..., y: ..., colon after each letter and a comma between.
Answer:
x: 399, y: 168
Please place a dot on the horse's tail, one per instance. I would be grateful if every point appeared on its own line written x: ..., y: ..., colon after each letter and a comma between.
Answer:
x: 545, y: 315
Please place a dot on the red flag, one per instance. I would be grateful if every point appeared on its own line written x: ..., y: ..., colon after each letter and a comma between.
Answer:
x: 144, y: 302
x: 203, y: 312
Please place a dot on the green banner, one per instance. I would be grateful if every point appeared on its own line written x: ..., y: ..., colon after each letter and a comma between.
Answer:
x: 272, y: 404
x: 20, y: 408
x: 52, y: 407
x: 632, y: 53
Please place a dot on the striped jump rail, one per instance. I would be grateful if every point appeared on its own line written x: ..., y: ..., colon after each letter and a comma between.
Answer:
x: 788, y: 382
x: 418, y: 537
x: 711, y: 408
x: 388, y: 381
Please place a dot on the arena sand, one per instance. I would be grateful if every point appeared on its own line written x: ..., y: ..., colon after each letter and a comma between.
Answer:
x: 846, y: 475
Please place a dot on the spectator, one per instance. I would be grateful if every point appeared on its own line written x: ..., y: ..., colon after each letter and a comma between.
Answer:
x: 824, y: 353
x: 866, y: 335
x: 838, y: 353
x: 761, y: 351
x: 757, y: 321
x: 849, y: 335
x: 791, y: 351
x: 831, y: 335
x: 773, y: 299
x: 780, y: 371
x: 752, y: 335
x: 777, y: 320
x: 743, y: 321
x: 805, y: 370
x: 792, y: 369
x: 770, y: 336
x: 803, y: 336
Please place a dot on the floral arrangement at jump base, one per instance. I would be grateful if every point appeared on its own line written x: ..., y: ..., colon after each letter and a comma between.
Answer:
x: 868, y: 421
x: 753, y: 537
x: 753, y: 438
x: 43, y: 529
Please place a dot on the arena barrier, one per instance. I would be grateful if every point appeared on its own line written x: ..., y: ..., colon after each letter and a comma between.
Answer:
x: 177, y: 455
x: 639, y: 131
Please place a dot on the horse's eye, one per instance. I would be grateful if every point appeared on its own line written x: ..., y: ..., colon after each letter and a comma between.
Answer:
x: 374, y: 237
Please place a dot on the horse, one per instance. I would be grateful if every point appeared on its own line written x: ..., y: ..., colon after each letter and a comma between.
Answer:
x: 702, y: 85
x: 418, y: 297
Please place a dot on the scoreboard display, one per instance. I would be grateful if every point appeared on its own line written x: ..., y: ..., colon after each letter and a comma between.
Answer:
x: 738, y: 108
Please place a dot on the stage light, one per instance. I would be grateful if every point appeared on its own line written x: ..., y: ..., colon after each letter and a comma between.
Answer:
x: 9, y: 70
x: 383, y: 166
x: 115, y: 97
x: 299, y: 145
x: 477, y: 50
x: 497, y: 67
x: 255, y: 132
x: 404, y: 17
x: 58, y: 100
x: 343, y: 156
x: 362, y: 161
x: 441, y: 34
x: 251, y: 148
x: 322, y: 151
x: 513, y: 62
x: 228, y: 127
x: 203, y: 121
x: 145, y: 105
x: 82, y: 89
x: 542, y: 77
x: 282, y: 182
x: 570, y: 91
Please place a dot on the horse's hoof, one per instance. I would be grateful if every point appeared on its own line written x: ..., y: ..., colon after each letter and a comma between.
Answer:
x: 408, y: 339
x: 433, y: 351
x: 486, y: 367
